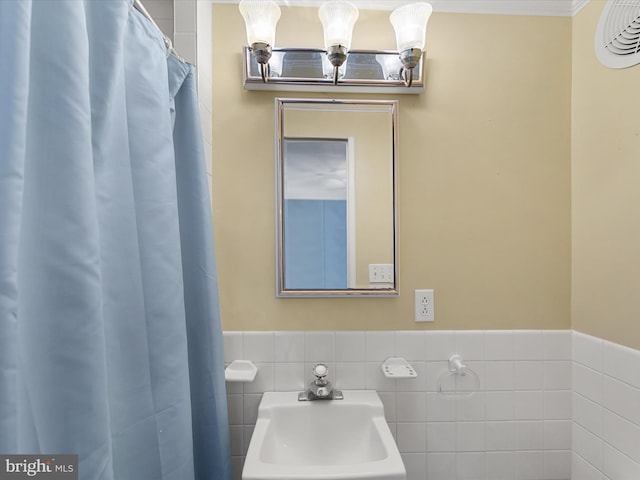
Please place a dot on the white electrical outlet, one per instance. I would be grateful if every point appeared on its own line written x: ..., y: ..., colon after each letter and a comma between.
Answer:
x: 424, y: 306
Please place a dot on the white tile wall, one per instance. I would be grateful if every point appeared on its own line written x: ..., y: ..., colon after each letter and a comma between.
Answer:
x: 516, y: 427
x: 189, y: 24
x: 606, y: 410
x: 162, y: 13
x: 194, y: 19
x: 185, y: 29
x: 538, y: 415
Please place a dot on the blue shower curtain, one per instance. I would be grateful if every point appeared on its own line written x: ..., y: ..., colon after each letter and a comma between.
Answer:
x: 110, y: 336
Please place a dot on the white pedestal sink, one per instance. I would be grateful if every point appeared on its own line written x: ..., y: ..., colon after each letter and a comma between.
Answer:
x: 322, y: 440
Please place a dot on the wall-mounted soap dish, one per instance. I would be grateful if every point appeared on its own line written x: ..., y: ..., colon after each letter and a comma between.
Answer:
x: 240, y: 371
x: 397, y: 367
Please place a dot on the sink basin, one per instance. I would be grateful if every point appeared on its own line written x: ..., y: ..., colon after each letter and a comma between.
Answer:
x: 322, y: 440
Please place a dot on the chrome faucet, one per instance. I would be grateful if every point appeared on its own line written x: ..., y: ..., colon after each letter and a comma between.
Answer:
x: 320, y: 388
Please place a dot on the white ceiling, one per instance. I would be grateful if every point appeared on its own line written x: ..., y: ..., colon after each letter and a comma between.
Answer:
x: 556, y: 8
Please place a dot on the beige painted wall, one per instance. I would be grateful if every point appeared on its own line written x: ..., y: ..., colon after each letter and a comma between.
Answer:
x: 484, y: 178
x: 606, y: 191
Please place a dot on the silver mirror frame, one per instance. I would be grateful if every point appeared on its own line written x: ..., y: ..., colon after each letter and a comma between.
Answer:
x: 281, y: 291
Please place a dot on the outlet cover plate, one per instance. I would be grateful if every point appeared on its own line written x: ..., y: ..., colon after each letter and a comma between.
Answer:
x: 424, y: 306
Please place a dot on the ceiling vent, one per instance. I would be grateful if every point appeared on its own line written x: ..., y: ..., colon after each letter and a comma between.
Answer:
x: 617, y: 41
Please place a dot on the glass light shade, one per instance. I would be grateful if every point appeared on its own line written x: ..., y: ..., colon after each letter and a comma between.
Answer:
x: 260, y: 18
x: 338, y: 19
x: 410, y: 24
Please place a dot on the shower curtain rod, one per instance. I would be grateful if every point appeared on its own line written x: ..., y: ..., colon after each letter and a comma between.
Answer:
x: 167, y: 41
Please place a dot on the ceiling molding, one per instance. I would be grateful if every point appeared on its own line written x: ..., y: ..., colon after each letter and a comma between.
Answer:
x: 554, y: 8
x: 578, y: 5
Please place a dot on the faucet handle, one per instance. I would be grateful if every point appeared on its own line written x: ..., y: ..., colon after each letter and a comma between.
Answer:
x: 320, y: 370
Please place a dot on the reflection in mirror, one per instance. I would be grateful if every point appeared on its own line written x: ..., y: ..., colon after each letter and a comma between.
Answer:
x: 315, y: 214
x: 336, y: 197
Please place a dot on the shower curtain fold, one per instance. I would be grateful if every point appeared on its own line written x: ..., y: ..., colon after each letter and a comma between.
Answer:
x: 110, y: 335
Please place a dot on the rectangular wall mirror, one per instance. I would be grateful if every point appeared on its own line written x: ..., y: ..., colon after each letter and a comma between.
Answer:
x: 336, y: 197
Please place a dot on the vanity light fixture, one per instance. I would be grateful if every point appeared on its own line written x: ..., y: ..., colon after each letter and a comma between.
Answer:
x: 338, y: 19
x: 261, y: 18
x: 410, y: 24
x: 321, y: 70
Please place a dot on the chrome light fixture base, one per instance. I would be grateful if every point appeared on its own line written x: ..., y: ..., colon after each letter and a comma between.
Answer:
x: 309, y: 70
x: 410, y: 59
x: 262, y: 53
x: 337, y: 55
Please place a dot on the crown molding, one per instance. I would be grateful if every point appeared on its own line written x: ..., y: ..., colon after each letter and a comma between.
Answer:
x: 554, y: 8
x: 578, y: 5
